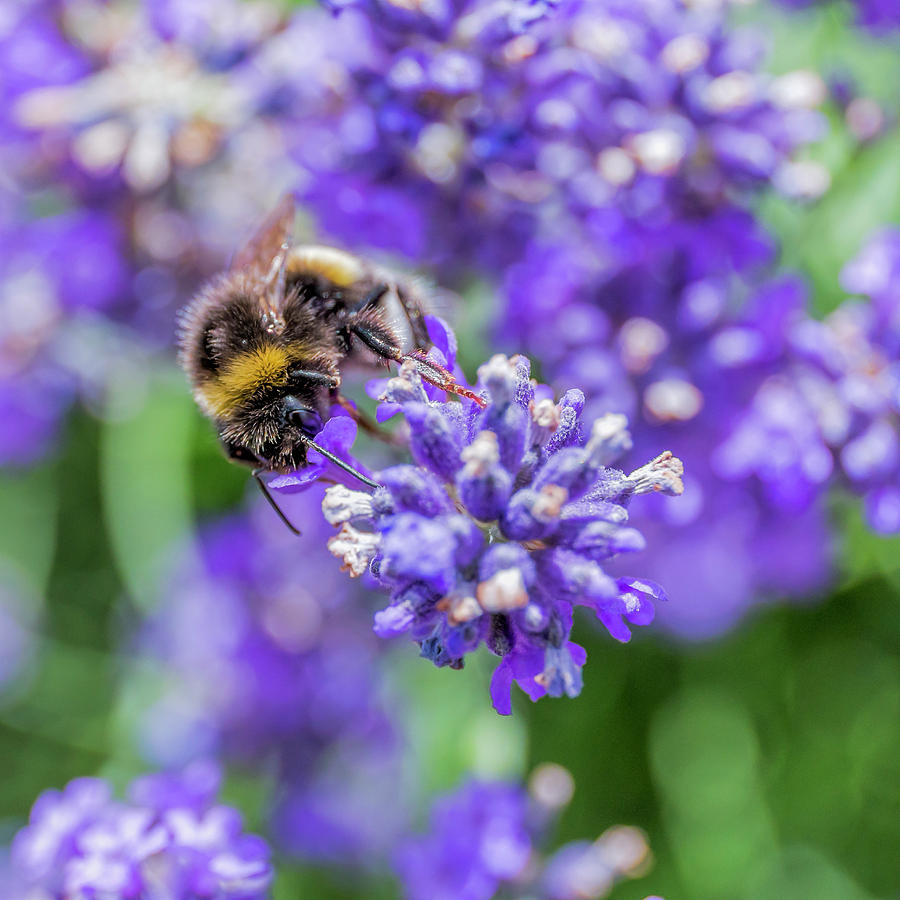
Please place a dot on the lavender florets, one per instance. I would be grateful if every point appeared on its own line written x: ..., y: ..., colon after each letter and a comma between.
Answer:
x: 268, y: 664
x: 485, y: 841
x: 500, y: 528
x: 169, y: 839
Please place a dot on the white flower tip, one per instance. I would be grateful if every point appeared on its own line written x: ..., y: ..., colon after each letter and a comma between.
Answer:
x: 546, y: 414
x: 498, y: 375
x: 551, y: 785
x: 800, y: 89
x: 549, y: 502
x: 673, y: 400
x: 460, y: 608
x: 662, y: 474
x: 502, y: 592
x: 340, y: 504
x: 610, y: 438
x: 624, y: 848
x: 354, y: 548
x: 482, y: 454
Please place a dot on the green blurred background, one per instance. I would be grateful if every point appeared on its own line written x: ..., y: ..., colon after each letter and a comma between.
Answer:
x: 764, y: 765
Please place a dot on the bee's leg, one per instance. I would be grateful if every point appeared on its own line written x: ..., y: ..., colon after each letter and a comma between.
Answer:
x: 240, y: 454
x: 439, y: 376
x: 257, y: 474
x: 429, y: 370
x: 371, y: 298
x: 415, y: 316
x: 340, y: 463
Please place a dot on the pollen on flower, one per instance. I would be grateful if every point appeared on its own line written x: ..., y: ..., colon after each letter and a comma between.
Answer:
x: 342, y: 504
x: 355, y: 548
x: 550, y: 501
x: 546, y: 414
x: 503, y: 591
x: 610, y: 438
x: 661, y: 474
x: 460, y: 608
x: 482, y: 453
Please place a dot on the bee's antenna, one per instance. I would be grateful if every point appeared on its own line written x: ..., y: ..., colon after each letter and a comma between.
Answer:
x: 309, y: 442
x: 257, y: 474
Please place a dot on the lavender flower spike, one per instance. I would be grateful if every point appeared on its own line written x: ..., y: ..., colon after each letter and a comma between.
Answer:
x: 501, y: 528
x: 170, y: 840
x: 487, y: 839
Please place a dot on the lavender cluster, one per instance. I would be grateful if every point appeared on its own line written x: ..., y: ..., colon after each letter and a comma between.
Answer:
x: 846, y: 370
x: 459, y: 135
x: 768, y: 406
x: 687, y: 373
x: 484, y: 840
x: 501, y: 527
x: 136, y: 140
x: 270, y: 666
x: 621, y: 243
x: 169, y: 839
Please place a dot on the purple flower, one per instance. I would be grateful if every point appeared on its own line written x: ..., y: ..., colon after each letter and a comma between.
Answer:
x: 337, y: 437
x: 769, y: 408
x: 701, y: 362
x: 459, y: 134
x: 484, y: 840
x: 500, y: 528
x: 268, y: 662
x: 847, y: 371
x: 57, y: 274
x: 479, y: 839
x: 136, y: 142
x: 170, y: 837
x: 159, y: 96
x: 595, y: 163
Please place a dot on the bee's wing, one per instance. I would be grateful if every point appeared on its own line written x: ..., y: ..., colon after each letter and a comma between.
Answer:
x: 274, y: 233
x: 263, y: 256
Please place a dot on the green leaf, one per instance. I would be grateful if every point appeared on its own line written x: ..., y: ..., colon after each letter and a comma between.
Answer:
x: 145, y: 471
x: 28, y: 506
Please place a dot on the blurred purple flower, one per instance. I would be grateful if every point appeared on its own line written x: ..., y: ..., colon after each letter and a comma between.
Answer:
x: 782, y: 407
x: 881, y: 17
x: 268, y: 662
x: 484, y: 840
x: 847, y: 371
x: 479, y: 839
x: 158, y: 91
x: 595, y: 162
x: 458, y: 135
x: 56, y: 274
x: 500, y: 528
x: 170, y: 838
x: 136, y: 142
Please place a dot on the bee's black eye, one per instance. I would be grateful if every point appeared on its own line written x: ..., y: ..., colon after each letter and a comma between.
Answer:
x: 301, y: 416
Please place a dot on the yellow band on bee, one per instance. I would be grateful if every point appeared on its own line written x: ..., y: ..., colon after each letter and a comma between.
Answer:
x: 327, y: 262
x: 265, y: 366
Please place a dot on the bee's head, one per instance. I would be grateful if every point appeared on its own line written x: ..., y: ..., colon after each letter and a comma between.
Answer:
x: 271, y: 428
x: 263, y: 390
x: 271, y: 420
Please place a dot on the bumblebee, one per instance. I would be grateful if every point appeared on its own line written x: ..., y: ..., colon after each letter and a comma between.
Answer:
x: 265, y: 342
